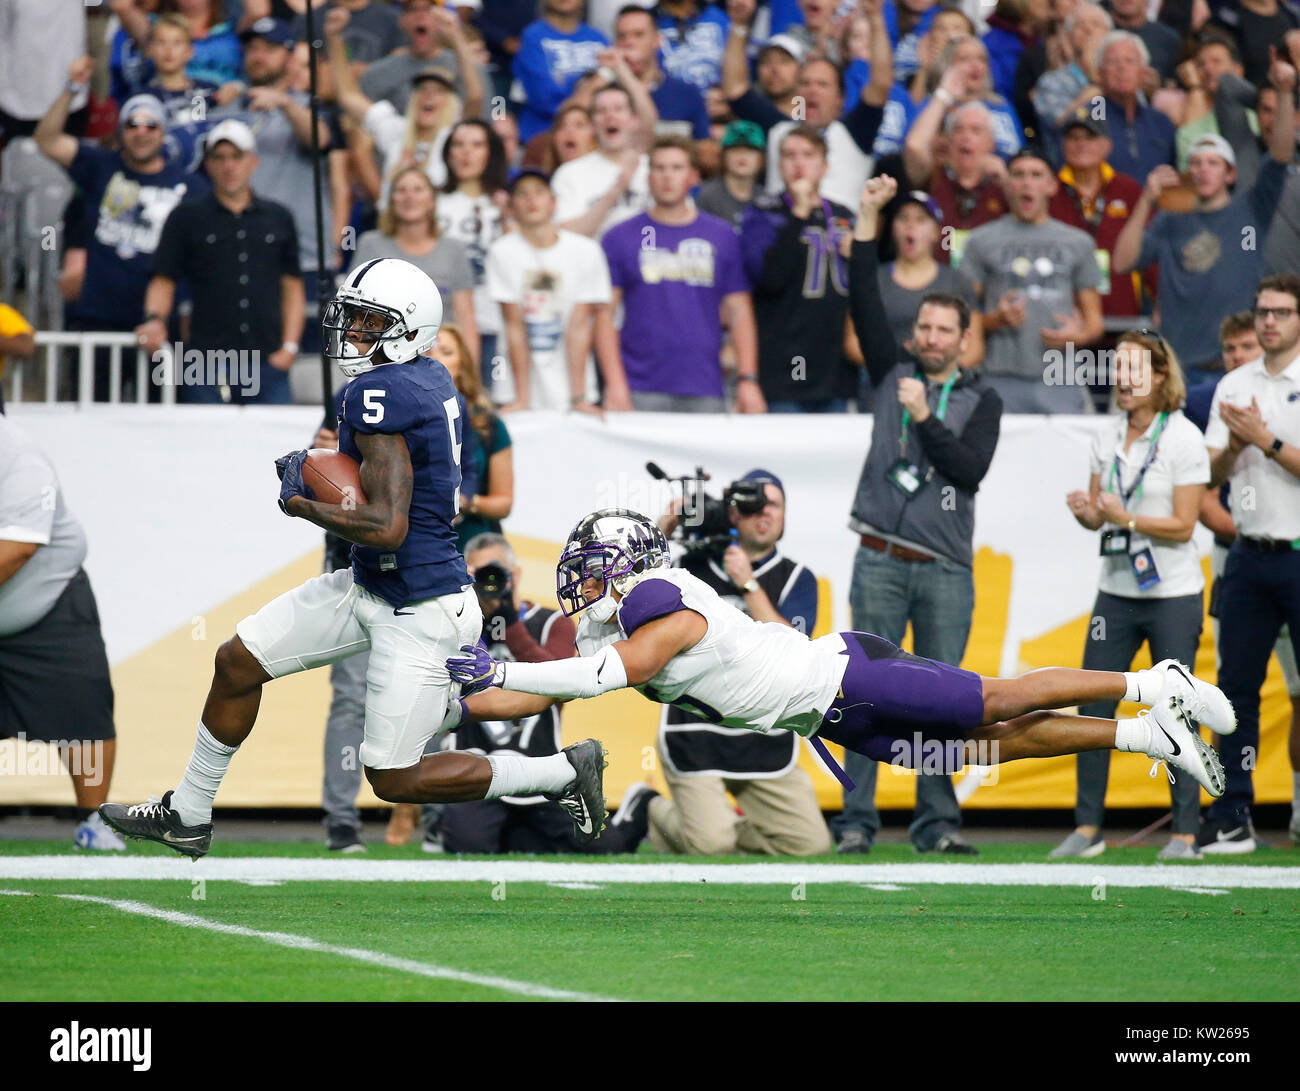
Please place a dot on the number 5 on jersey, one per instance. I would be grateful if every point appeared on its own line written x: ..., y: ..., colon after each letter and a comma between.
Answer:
x: 453, y: 412
x: 373, y: 400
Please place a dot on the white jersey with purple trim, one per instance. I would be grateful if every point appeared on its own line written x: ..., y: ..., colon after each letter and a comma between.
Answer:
x: 743, y: 673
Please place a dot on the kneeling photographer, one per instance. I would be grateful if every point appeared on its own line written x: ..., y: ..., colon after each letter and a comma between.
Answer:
x: 519, y: 631
x: 523, y: 632
x: 732, y: 546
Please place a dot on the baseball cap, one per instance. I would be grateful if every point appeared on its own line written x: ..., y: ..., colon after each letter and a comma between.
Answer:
x: 435, y: 72
x: 765, y: 477
x: 232, y: 130
x: 744, y: 134
x: 919, y: 197
x: 788, y: 42
x: 275, y: 31
x: 528, y: 172
x: 142, y: 104
x: 1083, y: 119
x: 1215, y: 145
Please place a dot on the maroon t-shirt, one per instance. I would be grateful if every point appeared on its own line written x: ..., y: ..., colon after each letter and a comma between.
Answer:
x: 1104, y: 219
x: 963, y: 210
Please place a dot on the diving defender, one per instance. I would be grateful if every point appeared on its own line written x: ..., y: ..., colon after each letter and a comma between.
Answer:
x: 669, y: 635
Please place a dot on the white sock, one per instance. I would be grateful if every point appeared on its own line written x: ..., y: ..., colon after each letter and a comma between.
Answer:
x: 1134, y: 735
x: 193, y: 797
x: 1144, y: 687
x: 514, y: 775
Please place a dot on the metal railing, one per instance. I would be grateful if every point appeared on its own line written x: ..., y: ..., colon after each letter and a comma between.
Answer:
x: 52, y: 344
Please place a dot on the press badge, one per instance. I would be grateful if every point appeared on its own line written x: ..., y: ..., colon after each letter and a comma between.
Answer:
x: 905, y: 476
x: 1144, y: 569
x: 1114, y: 542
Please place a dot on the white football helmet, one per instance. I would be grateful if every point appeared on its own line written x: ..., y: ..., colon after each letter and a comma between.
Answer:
x: 616, y: 545
x: 395, y: 305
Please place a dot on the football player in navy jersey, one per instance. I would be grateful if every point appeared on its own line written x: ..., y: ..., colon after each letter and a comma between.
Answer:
x: 406, y: 598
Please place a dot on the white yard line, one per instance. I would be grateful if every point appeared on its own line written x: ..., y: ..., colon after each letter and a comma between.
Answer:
x: 782, y: 873
x: 357, y: 954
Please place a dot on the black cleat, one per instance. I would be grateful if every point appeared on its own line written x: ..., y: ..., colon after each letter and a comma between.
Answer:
x: 345, y: 839
x: 584, y: 799
x: 156, y: 821
x: 632, y: 818
x: 952, y: 844
x: 853, y: 842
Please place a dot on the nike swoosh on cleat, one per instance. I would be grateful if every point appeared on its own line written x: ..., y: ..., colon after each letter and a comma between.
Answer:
x: 583, y: 823
x: 1177, y: 749
x: 180, y: 840
x: 1179, y: 669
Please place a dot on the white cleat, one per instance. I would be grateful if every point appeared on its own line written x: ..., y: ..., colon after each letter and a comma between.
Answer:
x: 1204, y: 703
x: 1176, y: 742
x: 94, y: 834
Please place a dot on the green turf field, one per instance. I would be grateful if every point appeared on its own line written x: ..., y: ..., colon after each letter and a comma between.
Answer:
x: 788, y: 930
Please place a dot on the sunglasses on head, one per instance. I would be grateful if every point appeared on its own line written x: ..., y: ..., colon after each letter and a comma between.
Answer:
x: 1152, y: 335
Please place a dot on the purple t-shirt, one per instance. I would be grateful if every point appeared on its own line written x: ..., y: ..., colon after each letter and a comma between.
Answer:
x: 673, y: 281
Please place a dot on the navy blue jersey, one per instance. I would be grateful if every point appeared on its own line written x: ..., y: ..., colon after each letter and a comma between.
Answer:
x: 418, y: 402
x: 124, y: 213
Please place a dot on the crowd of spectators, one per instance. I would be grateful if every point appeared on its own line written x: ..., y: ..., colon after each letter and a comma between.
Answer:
x: 570, y: 173
x: 1163, y: 183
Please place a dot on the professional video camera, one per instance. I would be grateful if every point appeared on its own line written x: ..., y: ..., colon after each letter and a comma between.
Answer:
x: 705, y: 523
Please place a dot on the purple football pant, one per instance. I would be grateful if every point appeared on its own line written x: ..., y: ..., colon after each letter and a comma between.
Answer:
x: 902, y: 709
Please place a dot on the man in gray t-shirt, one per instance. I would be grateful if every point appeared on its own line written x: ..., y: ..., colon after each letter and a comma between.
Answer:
x: 373, y: 30
x: 432, y: 39
x: 54, y: 680
x: 1037, y: 281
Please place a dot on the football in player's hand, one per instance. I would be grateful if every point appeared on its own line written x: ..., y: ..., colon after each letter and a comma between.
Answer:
x: 333, y: 477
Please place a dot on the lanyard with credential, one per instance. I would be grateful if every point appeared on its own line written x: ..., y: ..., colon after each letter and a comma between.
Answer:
x: 1134, y: 491
x: 939, y: 411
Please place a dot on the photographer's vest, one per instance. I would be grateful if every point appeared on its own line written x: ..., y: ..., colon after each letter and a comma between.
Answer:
x: 532, y: 736
x: 694, y: 748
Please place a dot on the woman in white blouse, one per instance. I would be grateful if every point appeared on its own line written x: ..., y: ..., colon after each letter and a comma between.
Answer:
x: 470, y: 210
x: 1149, y: 472
x: 417, y: 138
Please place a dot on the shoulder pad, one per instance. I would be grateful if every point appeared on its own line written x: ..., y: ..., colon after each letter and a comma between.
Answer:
x: 650, y: 599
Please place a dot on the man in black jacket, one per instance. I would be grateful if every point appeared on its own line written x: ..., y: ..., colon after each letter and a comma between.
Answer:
x: 794, y: 247
x: 933, y: 436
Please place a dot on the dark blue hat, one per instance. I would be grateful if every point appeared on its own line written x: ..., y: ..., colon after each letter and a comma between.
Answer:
x: 766, y: 478
x: 275, y: 31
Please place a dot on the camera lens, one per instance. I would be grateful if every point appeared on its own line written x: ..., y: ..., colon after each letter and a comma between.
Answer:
x: 492, y: 579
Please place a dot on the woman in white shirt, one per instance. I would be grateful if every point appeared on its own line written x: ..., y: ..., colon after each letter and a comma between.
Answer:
x: 470, y: 211
x: 417, y: 138
x: 1149, y: 472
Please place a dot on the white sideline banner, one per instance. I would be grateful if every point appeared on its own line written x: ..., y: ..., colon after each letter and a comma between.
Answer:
x: 180, y: 504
